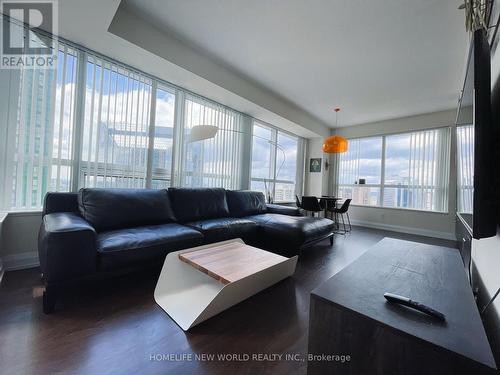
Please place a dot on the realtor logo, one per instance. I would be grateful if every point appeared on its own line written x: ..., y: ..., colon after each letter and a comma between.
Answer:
x: 23, y: 44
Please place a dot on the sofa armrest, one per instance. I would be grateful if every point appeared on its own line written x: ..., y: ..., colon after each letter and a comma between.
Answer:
x: 66, y: 247
x: 284, y: 210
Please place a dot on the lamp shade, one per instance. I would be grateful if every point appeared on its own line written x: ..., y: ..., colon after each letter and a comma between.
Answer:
x: 335, y: 145
x: 202, y: 132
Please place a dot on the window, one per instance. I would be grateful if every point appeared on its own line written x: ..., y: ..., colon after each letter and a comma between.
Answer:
x: 163, y: 142
x: 417, y: 170
x: 274, y: 163
x: 409, y: 170
x: 465, y: 162
x: 116, y: 126
x: 214, y: 162
x: 41, y: 159
x: 360, y: 171
x: 94, y: 122
x: 285, y: 182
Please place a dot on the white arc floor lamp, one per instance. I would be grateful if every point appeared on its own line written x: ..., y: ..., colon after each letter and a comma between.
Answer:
x: 203, y: 132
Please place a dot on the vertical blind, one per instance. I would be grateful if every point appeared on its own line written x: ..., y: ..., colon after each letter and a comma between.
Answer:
x: 42, y: 136
x: 429, y: 168
x: 465, y: 156
x: 214, y: 162
x: 276, y: 168
x: 363, y: 161
x: 409, y: 170
x: 94, y: 122
x: 115, y: 138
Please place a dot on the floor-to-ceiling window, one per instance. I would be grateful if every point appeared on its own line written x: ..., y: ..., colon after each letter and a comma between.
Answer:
x: 40, y: 142
x: 409, y: 170
x: 214, y: 162
x: 465, y: 170
x: 94, y: 122
x: 115, y: 127
x: 274, y: 163
x: 360, y: 174
x: 163, y: 138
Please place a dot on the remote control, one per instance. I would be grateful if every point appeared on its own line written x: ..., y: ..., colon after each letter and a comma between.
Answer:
x: 414, y: 305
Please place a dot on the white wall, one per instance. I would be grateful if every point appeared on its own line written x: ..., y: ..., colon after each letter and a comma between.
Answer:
x: 316, y: 183
x: 486, y: 258
x: 408, y: 221
x: 19, y: 240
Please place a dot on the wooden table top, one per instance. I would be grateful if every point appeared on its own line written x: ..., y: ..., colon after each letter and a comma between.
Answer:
x: 231, y: 261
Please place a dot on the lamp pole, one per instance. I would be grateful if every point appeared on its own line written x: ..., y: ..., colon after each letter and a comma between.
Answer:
x: 212, y: 131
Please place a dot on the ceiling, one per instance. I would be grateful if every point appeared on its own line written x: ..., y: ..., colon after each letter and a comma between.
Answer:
x: 375, y: 59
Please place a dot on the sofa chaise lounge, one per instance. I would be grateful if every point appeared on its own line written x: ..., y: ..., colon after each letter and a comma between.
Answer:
x: 98, y: 232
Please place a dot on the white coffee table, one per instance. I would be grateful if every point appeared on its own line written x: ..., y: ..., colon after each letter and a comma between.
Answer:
x: 198, y: 283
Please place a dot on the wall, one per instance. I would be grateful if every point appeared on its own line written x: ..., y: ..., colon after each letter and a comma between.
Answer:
x: 432, y: 224
x: 18, y: 240
x: 486, y: 281
x: 316, y: 183
x: 486, y: 258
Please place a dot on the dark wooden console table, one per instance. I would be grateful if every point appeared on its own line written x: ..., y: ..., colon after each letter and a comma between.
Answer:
x: 349, y: 316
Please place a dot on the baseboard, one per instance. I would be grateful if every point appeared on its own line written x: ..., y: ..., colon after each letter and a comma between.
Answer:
x: 21, y: 261
x: 401, y: 229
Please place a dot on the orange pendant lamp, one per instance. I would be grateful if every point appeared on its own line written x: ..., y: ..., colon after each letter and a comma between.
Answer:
x: 335, y: 144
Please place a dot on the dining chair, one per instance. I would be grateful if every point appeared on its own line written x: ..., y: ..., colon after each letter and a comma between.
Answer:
x: 343, y: 210
x: 311, y: 204
x: 327, y: 203
x: 298, y: 203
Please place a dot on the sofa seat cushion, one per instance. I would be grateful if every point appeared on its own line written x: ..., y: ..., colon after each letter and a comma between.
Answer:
x: 222, y: 229
x: 132, y: 246
x: 290, y: 233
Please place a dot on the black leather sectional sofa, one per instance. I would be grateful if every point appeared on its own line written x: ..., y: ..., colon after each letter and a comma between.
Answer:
x: 98, y: 232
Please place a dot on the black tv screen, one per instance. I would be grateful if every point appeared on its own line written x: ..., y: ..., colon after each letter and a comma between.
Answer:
x: 476, y: 106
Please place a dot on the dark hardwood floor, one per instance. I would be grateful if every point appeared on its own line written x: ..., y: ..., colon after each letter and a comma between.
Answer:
x: 117, y: 328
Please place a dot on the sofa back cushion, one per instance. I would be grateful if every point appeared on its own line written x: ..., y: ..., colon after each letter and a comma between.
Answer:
x: 108, y: 209
x: 244, y: 203
x: 198, y: 204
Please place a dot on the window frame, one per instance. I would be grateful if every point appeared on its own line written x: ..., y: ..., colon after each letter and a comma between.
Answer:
x: 157, y: 173
x: 78, y: 167
x: 383, y: 185
x: 369, y: 185
x: 461, y: 197
x: 273, y: 161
